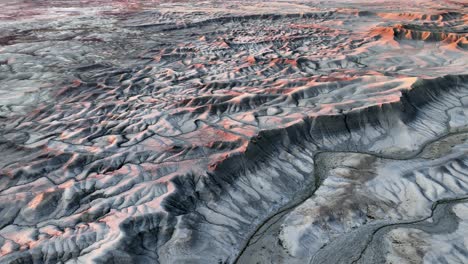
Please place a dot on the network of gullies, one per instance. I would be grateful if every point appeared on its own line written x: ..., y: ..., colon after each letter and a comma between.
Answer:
x: 233, y: 131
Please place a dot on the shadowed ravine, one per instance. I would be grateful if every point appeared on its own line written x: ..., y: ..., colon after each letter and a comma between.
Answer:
x: 270, y: 226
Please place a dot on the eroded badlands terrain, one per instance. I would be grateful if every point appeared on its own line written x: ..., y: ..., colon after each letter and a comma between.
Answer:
x: 233, y: 131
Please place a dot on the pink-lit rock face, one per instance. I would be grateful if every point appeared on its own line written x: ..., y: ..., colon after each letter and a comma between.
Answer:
x: 233, y: 131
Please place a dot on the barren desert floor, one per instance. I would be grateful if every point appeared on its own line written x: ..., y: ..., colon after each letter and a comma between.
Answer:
x: 244, y: 132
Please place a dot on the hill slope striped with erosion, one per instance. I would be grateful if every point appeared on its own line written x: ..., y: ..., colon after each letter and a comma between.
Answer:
x: 233, y: 131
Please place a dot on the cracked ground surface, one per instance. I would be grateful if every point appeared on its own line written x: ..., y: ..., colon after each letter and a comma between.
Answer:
x: 239, y: 132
